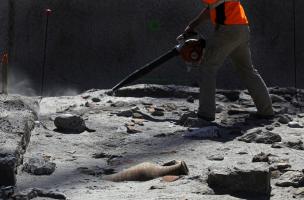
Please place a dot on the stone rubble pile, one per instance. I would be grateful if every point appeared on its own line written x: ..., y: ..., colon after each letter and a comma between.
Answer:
x: 254, y: 177
x: 17, y: 120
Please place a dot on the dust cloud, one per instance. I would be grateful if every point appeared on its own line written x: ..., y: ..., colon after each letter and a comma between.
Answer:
x: 20, y: 83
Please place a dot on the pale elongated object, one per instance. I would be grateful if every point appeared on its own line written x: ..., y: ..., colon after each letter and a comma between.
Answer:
x: 148, y: 171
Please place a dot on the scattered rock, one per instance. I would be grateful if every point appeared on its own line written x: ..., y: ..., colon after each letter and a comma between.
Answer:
x: 96, y: 99
x: 103, y: 155
x: 85, y: 96
x: 221, y: 98
x: 169, y: 107
x: 244, y: 96
x: 190, y: 99
x: 156, y: 187
x: 147, y: 103
x: 87, y: 104
x: 150, y: 109
x: 299, y: 193
x: 139, y: 122
x: 294, y: 125
x: 158, y: 113
x: 269, y: 128
x: 6, y: 192
x: 261, y: 157
x: 231, y: 95
x: 33, y: 193
x: 284, y: 119
x: 132, y: 130
x: 233, y: 106
x: 280, y: 166
x: 184, y: 108
x: 237, y: 111
x: 185, y: 117
x: 296, y: 144
x: 276, y: 124
x: 277, y: 145
x: 68, y: 123
x: 260, y: 136
x: 215, y: 157
x: 125, y: 113
x: 288, y: 97
x: 119, y: 104
x: 301, y: 115
x: 291, y: 178
x: 130, y: 124
x: 275, y: 174
x: 277, y: 99
x: 137, y: 115
x: 253, y: 180
x: 281, y: 109
x: 159, y: 109
x: 168, y: 152
x: 296, y: 103
x: 242, y: 153
x: 219, y: 108
x: 39, y: 166
x: 282, y: 91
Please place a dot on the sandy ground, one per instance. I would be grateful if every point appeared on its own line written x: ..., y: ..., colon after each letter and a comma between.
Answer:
x: 73, y: 153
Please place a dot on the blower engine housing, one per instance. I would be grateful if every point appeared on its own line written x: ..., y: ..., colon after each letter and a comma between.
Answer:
x: 192, y: 51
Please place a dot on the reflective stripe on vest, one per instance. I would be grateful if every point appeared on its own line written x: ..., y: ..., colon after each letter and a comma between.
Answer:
x: 226, y: 12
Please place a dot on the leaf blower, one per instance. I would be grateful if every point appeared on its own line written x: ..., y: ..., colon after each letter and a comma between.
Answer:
x: 190, y: 48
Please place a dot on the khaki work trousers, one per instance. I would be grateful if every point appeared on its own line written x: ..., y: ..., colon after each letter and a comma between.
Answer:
x: 231, y: 41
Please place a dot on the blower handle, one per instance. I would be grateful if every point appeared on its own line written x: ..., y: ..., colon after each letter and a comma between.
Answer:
x: 185, y: 36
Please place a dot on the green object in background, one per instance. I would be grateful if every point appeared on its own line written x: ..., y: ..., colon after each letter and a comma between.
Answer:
x: 154, y: 25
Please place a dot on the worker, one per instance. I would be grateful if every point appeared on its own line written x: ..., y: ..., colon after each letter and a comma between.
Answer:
x: 230, y: 39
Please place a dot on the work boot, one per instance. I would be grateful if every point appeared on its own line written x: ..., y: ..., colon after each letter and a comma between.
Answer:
x: 198, y: 122
x: 209, y: 119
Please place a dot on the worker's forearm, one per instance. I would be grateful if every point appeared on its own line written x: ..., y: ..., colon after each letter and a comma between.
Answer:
x: 203, y: 16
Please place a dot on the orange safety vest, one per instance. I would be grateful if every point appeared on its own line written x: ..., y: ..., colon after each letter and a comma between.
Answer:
x: 226, y: 12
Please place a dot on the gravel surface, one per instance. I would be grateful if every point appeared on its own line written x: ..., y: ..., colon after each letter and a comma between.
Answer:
x: 82, y: 159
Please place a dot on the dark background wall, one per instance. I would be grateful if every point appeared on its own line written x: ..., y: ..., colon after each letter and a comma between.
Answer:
x: 94, y: 44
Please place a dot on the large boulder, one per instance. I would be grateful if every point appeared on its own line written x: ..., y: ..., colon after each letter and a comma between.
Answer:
x: 252, y: 179
x: 69, y: 123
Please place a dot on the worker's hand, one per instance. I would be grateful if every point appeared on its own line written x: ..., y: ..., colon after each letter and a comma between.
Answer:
x: 180, y: 37
x: 188, y: 30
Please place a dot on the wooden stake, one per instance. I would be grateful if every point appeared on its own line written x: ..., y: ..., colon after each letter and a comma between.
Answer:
x: 4, y: 64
